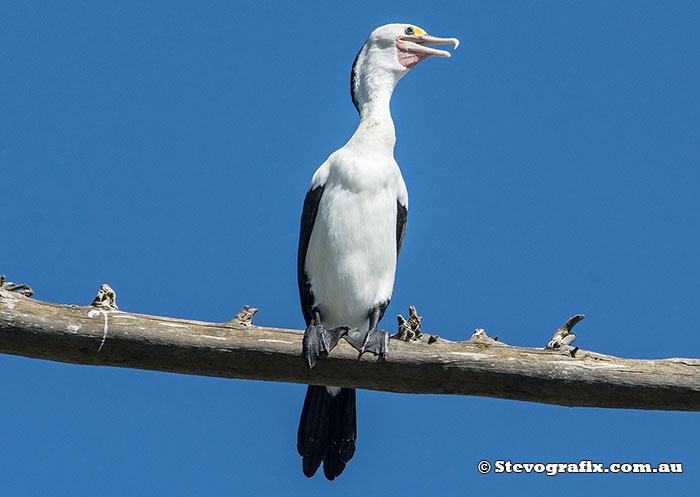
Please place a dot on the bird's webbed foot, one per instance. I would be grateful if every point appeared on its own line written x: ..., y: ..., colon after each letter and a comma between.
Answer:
x: 374, y: 341
x: 319, y: 341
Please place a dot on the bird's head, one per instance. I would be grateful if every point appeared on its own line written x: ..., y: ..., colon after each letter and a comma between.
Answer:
x: 389, y: 53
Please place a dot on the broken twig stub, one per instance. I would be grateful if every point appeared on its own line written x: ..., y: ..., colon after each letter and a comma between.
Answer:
x: 244, y: 317
x: 106, y: 298
x: 15, y: 287
x: 409, y: 329
x: 563, y: 336
x: 480, y: 334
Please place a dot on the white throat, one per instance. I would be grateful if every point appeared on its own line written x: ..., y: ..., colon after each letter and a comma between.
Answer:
x: 376, y: 72
x: 376, y: 132
x: 374, y: 97
x: 372, y: 94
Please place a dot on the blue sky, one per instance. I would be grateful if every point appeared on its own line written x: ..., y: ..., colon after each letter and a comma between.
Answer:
x: 552, y: 166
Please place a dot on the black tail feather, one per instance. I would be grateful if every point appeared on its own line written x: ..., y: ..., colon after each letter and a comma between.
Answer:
x: 327, y: 431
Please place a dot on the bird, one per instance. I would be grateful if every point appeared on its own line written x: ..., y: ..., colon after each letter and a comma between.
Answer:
x: 353, y: 225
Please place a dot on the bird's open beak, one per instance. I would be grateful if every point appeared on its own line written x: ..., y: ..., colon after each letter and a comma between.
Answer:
x: 416, y: 44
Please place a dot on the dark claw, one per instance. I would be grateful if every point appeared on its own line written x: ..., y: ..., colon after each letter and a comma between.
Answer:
x: 376, y: 342
x: 333, y: 336
x: 318, y: 342
x: 356, y: 338
x: 312, y: 345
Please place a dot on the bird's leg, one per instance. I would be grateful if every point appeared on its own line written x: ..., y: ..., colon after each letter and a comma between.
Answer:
x: 372, y: 340
x: 319, y: 341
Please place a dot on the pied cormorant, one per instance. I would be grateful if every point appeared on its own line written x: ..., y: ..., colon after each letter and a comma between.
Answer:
x: 352, y: 227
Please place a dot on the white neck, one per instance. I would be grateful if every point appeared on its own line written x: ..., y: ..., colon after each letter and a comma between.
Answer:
x: 375, y: 74
x: 374, y: 98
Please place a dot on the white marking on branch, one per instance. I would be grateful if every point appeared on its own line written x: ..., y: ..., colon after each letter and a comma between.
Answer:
x: 72, y: 328
x: 94, y: 313
x: 271, y: 340
x: 174, y: 325
x: 587, y: 365
x: 473, y: 355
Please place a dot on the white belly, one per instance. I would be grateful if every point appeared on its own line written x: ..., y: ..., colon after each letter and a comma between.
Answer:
x: 351, y: 259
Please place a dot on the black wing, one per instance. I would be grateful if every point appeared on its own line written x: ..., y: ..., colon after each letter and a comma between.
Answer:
x: 401, y: 216
x: 308, y: 219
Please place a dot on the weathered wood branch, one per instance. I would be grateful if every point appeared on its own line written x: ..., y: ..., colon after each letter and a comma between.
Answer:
x: 418, y: 363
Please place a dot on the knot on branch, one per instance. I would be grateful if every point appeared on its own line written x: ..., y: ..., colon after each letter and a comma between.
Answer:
x: 563, y: 338
x: 409, y: 329
x: 106, y: 298
x: 244, y: 317
x: 15, y: 287
x: 480, y: 335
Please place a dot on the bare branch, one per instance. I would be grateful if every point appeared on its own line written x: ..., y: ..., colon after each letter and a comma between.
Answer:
x: 422, y: 364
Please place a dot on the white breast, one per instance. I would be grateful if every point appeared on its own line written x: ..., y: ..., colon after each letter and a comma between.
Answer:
x: 351, y: 259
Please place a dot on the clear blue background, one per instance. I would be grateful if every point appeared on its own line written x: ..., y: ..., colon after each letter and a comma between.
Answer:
x: 165, y: 148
